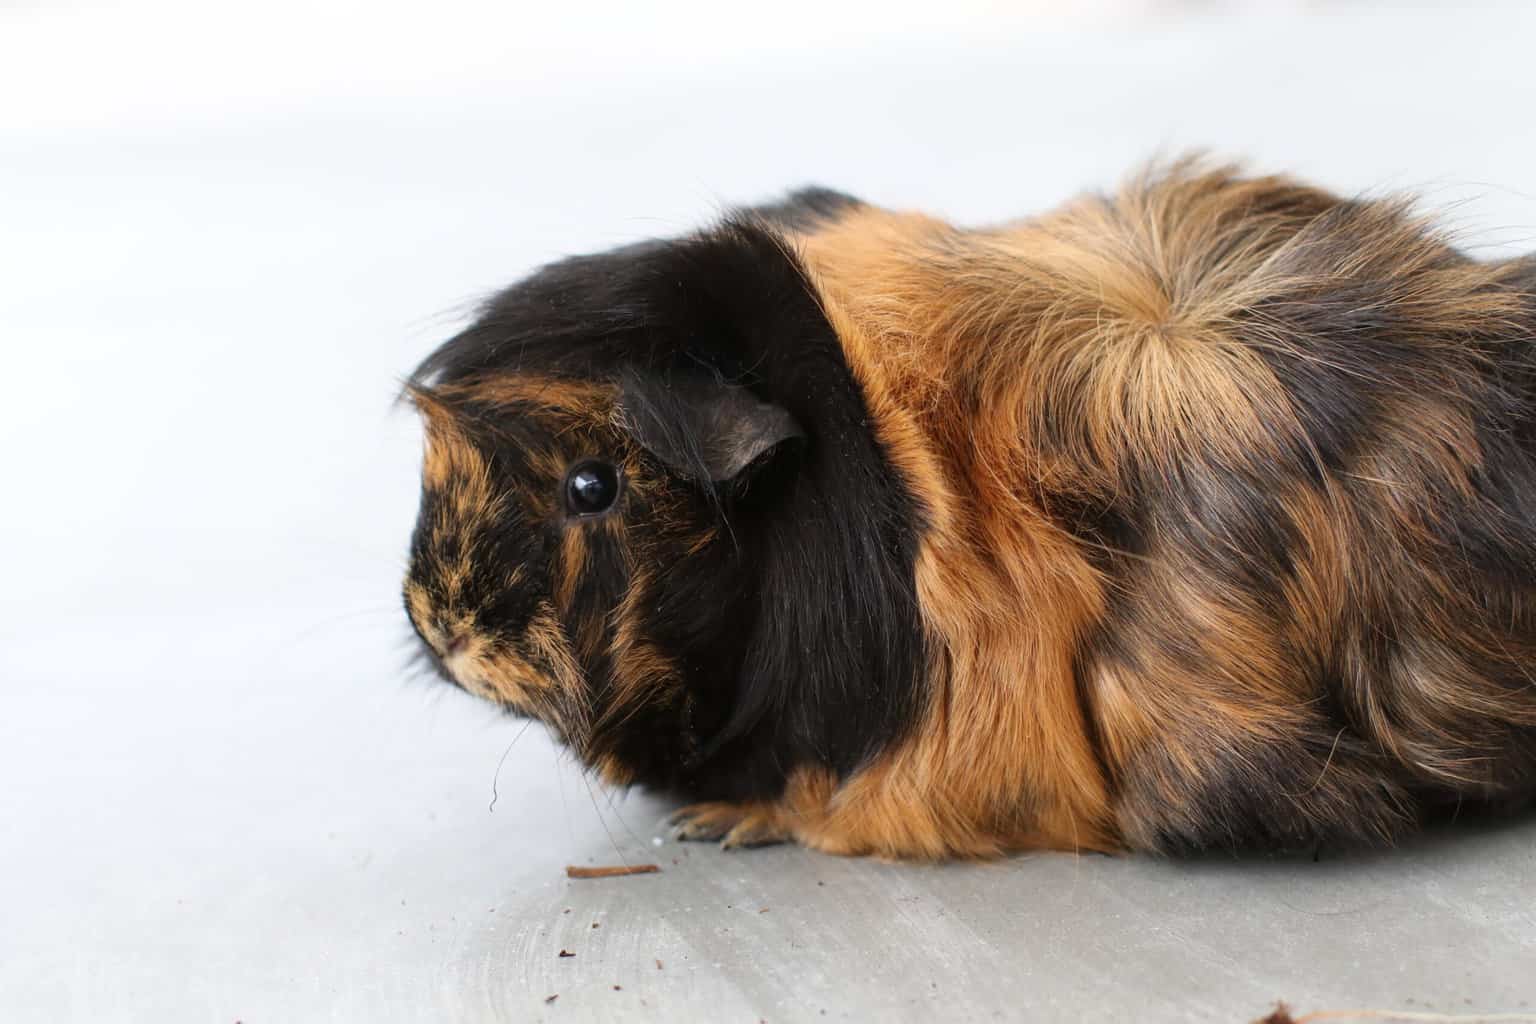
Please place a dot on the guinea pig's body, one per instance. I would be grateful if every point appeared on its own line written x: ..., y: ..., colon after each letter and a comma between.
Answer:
x: 1202, y: 515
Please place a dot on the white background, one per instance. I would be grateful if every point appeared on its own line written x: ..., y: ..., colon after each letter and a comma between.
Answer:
x: 226, y: 233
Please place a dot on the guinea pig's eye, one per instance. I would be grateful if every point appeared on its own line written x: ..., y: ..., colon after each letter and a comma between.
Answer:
x: 591, y: 487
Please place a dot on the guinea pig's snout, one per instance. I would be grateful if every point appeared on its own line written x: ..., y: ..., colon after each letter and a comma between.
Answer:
x: 448, y: 636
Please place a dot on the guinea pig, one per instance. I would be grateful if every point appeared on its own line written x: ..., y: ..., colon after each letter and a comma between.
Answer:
x: 1200, y: 514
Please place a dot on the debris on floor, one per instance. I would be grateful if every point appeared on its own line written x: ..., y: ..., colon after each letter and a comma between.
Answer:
x: 573, y: 871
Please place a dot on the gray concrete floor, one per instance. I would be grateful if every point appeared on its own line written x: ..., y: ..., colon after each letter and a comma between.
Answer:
x: 222, y: 797
x: 326, y: 849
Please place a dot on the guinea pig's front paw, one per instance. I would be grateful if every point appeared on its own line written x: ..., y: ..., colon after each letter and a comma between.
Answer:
x: 734, y: 825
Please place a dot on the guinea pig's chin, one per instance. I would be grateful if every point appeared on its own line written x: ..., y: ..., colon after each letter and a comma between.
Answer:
x: 462, y: 668
x: 484, y: 678
x: 468, y: 671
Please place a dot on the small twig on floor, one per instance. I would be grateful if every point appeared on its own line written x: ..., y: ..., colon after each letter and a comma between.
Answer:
x: 573, y: 871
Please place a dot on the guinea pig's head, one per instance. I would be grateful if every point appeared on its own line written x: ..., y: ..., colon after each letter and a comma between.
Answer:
x: 654, y: 515
x: 573, y: 558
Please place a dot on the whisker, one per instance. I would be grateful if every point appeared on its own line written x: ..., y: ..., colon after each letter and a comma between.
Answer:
x: 587, y: 781
x: 609, y: 793
x: 564, y: 806
x: 495, y: 778
x: 312, y: 628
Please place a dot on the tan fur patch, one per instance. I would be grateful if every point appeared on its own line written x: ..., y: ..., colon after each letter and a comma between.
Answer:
x: 641, y: 672
x: 539, y: 394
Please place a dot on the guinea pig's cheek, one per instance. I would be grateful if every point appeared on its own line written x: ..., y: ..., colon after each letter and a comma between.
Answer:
x: 507, y: 679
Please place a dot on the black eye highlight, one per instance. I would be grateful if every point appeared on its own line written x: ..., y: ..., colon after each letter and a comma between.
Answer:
x: 591, y: 488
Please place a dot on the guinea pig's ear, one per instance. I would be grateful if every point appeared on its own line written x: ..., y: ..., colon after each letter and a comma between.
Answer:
x: 700, y: 425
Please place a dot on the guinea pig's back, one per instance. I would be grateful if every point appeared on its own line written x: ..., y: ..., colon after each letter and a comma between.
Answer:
x: 1289, y: 438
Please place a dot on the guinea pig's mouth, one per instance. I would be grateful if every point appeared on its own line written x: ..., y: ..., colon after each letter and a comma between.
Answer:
x: 485, y: 669
x: 450, y: 664
x: 449, y: 654
x: 457, y: 666
x: 457, y: 658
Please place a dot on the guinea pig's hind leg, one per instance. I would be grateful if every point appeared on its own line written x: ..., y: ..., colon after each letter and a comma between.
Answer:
x: 735, y: 826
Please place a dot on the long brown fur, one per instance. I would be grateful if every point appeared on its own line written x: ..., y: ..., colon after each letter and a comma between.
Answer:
x: 1084, y: 704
